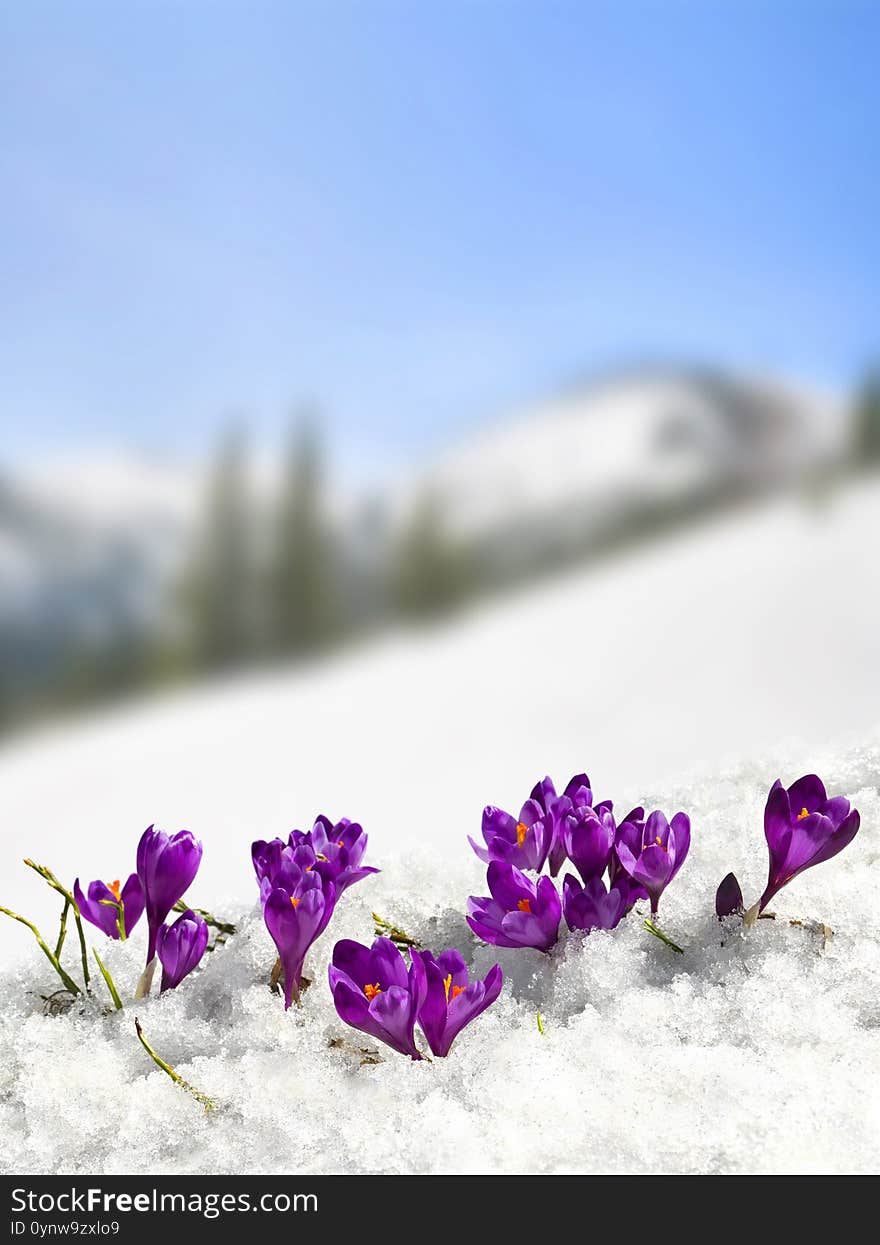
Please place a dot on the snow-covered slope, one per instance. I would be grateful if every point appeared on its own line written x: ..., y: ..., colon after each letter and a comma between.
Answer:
x: 756, y: 636
x: 746, y: 1053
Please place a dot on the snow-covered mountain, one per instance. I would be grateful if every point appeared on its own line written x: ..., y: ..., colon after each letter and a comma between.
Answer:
x: 574, y: 467
x: 89, y: 546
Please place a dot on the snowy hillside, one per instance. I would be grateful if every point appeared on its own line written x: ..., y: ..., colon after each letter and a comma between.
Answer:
x: 755, y: 637
x: 726, y: 642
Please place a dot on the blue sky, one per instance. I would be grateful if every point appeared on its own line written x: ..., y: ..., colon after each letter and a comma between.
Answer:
x: 417, y: 214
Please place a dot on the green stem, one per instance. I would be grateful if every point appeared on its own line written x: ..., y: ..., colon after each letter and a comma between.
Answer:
x: 208, y: 1103
x: 120, y: 916
x: 48, y: 876
x: 69, y: 984
x: 384, y: 929
x: 224, y: 927
x: 62, y: 931
x: 658, y: 933
x: 114, y: 993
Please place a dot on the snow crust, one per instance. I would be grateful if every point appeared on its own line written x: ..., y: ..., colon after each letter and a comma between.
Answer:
x: 751, y: 1052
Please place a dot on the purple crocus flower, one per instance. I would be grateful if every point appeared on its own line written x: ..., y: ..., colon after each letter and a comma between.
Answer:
x: 802, y: 828
x: 451, y: 1002
x: 375, y: 992
x: 654, y: 856
x: 728, y: 897
x: 520, y: 912
x: 578, y: 794
x: 588, y: 838
x: 101, y: 904
x: 337, y: 851
x: 297, y: 905
x: 180, y: 948
x: 166, y: 866
x: 629, y: 833
x: 592, y: 906
x: 522, y: 842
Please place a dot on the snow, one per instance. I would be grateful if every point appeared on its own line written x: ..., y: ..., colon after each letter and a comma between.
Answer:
x: 751, y: 1052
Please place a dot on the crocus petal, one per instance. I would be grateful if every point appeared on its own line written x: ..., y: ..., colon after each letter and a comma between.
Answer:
x: 680, y: 828
x: 133, y: 901
x: 777, y: 817
x: 840, y: 838
x: 482, y: 852
x: 808, y: 792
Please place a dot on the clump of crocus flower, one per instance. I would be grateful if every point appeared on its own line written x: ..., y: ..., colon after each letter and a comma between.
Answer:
x: 166, y: 865
x: 640, y: 858
x: 376, y: 992
x: 334, y: 851
x: 301, y: 881
x: 518, y: 912
x: 803, y: 827
x: 537, y: 836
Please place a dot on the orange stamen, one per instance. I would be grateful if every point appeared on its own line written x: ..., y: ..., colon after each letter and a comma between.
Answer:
x: 802, y: 814
x: 372, y: 991
x: 295, y: 902
x: 114, y: 887
x: 524, y: 905
x: 521, y: 832
x: 448, y: 986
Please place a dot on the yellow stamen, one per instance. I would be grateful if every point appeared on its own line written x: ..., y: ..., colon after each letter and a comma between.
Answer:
x: 447, y: 986
x: 802, y: 814
x: 295, y: 902
x: 114, y: 887
x: 340, y: 843
x: 372, y: 991
x: 521, y: 832
x: 659, y: 842
x: 524, y: 905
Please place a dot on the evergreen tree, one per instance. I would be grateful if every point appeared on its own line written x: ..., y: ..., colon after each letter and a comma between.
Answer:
x: 867, y: 420
x: 221, y: 585
x: 302, y: 595
x: 431, y: 573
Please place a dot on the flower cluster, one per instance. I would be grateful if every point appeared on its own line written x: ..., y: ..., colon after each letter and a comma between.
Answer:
x: 613, y: 864
x: 803, y: 828
x: 300, y: 882
x: 617, y: 864
x: 166, y: 865
x: 376, y: 992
